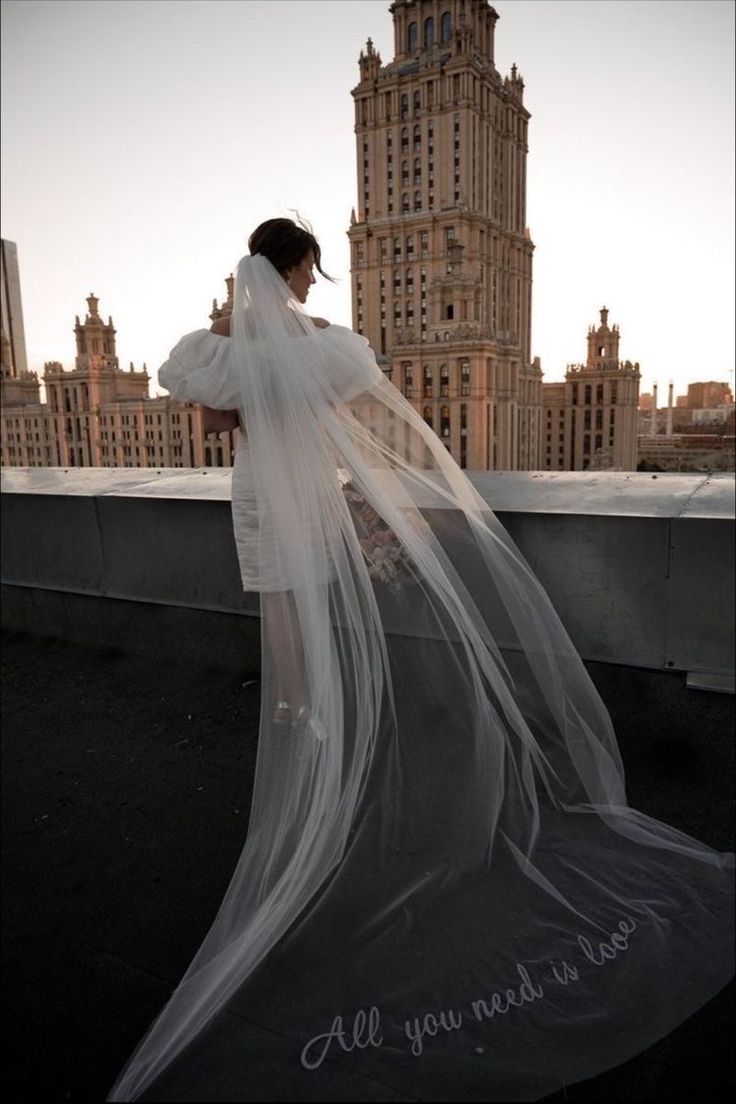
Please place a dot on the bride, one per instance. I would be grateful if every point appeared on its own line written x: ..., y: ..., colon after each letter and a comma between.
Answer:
x: 442, y: 888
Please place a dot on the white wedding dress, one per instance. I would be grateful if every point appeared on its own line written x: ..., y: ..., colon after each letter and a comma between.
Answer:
x: 442, y: 887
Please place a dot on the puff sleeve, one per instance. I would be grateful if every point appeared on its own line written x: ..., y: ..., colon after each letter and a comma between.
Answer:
x: 350, y: 362
x: 200, y: 370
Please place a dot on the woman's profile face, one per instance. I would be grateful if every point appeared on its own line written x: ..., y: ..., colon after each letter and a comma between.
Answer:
x: 300, y: 278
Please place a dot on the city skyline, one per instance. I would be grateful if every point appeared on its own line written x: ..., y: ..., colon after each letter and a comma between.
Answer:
x: 631, y: 211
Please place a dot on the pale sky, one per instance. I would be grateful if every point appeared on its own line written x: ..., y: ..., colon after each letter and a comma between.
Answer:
x: 143, y: 140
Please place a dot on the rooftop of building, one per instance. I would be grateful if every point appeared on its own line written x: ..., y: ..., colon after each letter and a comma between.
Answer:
x: 130, y: 719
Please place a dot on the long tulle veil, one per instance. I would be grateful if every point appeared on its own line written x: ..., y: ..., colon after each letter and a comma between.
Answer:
x: 440, y: 813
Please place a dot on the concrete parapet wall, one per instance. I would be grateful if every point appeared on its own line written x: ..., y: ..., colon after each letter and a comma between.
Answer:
x: 640, y: 569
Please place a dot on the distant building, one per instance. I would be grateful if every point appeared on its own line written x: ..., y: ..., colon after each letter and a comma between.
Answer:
x: 441, y: 255
x: 98, y: 415
x: 590, y: 420
x: 15, y: 362
x: 708, y: 396
x: 685, y: 436
x: 691, y: 452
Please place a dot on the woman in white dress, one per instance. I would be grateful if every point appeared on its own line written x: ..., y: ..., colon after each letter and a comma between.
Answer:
x: 442, y: 883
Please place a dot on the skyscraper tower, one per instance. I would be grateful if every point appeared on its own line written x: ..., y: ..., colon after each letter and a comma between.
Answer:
x: 440, y: 255
x: 15, y: 364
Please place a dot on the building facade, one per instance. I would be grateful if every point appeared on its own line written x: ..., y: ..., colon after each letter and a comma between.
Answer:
x: 98, y: 415
x: 441, y: 258
x: 591, y: 420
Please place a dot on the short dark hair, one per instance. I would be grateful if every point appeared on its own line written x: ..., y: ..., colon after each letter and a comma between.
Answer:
x: 286, y: 243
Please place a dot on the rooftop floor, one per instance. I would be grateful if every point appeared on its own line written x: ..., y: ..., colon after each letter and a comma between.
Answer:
x: 127, y: 779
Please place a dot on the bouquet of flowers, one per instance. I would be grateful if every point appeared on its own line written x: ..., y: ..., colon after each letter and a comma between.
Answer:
x: 385, y: 555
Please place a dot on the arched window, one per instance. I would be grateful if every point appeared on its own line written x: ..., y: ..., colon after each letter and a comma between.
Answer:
x: 412, y: 38
x: 444, y: 421
x: 427, y: 415
x: 404, y: 139
x: 599, y: 393
x: 444, y: 381
x: 417, y: 170
x: 417, y: 201
x: 404, y: 106
x: 427, y: 382
x: 410, y: 248
x: 405, y: 201
x: 397, y: 249
x: 417, y: 103
x: 404, y: 172
x: 446, y: 27
x: 417, y: 137
x: 449, y: 312
x: 428, y: 33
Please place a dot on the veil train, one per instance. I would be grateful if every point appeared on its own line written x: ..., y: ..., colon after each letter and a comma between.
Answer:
x: 442, y: 884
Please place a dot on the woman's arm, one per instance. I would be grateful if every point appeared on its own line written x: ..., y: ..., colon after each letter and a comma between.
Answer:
x: 220, y: 421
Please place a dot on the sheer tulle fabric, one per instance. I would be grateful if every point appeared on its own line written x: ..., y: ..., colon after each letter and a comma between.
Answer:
x: 442, y: 884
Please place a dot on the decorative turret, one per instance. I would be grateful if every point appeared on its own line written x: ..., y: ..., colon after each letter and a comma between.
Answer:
x: 95, y: 338
x: 514, y: 84
x: 603, y: 343
x: 227, y: 307
x: 370, y: 62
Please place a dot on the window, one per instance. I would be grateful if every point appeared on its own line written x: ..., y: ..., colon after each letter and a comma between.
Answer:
x: 417, y: 137
x: 444, y: 421
x: 464, y: 377
x: 444, y: 381
x: 404, y: 172
x: 412, y: 38
x: 410, y: 248
x: 427, y: 415
x: 428, y: 33
x: 424, y: 246
x: 417, y: 201
x: 449, y: 312
x: 588, y: 391
x: 427, y: 382
x: 599, y: 393
x: 417, y: 170
x: 446, y: 27
x: 404, y: 106
x: 397, y: 249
